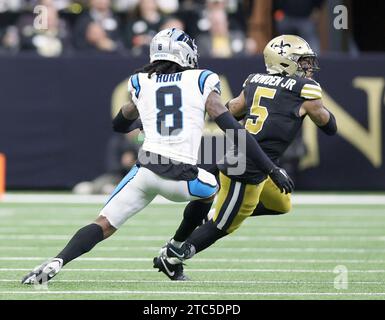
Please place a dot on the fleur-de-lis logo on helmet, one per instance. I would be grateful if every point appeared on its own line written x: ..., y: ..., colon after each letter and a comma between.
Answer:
x: 284, y: 53
x: 280, y: 47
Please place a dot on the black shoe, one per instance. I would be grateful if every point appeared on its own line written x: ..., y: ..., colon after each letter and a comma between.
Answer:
x: 173, y: 271
x: 186, y: 251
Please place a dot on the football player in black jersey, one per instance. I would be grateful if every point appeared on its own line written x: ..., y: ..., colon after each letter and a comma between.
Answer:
x: 273, y: 106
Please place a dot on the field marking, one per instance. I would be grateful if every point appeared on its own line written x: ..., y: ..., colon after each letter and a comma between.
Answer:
x: 218, y: 249
x: 7, y: 212
x: 133, y: 292
x: 297, y: 198
x: 181, y: 283
x: 216, y: 260
x: 203, y: 270
x: 223, y: 249
x: 171, y: 222
x: 50, y: 237
x: 262, y: 230
x: 87, y: 217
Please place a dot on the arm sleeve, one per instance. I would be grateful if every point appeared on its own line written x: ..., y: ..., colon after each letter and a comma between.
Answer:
x: 123, y: 125
x: 331, y: 127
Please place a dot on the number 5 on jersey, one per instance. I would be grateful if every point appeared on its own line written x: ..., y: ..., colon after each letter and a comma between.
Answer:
x: 255, y: 125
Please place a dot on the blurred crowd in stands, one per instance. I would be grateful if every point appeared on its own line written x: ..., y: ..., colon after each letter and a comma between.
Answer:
x: 222, y: 28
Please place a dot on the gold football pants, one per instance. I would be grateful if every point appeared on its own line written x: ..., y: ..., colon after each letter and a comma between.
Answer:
x: 236, y: 201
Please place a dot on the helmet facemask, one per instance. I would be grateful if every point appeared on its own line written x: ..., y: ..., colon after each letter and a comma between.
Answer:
x: 191, y: 57
x: 307, y: 65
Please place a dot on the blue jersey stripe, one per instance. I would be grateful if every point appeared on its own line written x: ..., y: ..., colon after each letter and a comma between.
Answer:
x: 123, y: 182
x: 135, y: 84
x: 202, y: 79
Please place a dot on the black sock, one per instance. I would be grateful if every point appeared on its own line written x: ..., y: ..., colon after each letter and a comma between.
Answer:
x: 204, y: 236
x: 193, y: 215
x: 261, y: 210
x: 83, y: 241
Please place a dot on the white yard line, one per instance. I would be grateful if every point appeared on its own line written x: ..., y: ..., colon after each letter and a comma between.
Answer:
x: 64, y: 198
x: 333, y: 225
x: 133, y: 292
x: 352, y: 238
x: 261, y: 231
x: 204, y: 270
x: 216, y: 260
x: 297, y: 198
x: 216, y: 249
x: 198, y: 282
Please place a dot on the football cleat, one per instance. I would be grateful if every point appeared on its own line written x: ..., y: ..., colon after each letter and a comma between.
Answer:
x: 43, y: 273
x: 173, y: 271
x: 186, y: 251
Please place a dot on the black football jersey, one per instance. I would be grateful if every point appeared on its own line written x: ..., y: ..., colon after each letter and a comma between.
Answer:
x: 273, y: 103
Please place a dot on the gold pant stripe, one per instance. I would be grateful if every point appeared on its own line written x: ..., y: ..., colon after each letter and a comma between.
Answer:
x: 243, y: 208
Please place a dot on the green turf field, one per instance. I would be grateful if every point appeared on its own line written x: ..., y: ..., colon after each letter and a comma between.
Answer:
x: 283, y: 257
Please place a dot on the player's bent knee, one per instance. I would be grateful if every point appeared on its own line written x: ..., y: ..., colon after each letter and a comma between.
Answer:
x: 280, y: 206
x: 285, y: 207
x: 106, y: 226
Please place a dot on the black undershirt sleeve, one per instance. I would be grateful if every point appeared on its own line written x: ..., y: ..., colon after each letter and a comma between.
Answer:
x: 238, y: 118
x: 331, y: 127
x: 124, y: 125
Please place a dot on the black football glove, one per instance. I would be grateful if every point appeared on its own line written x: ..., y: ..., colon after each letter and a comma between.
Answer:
x: 282, y: 180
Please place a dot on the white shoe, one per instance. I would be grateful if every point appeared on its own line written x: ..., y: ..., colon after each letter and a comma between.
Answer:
x: 43, y: 273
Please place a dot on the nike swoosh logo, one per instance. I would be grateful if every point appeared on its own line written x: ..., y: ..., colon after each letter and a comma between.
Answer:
x: 170, y: 273
x: 176, y: 253
x: 29, y: 279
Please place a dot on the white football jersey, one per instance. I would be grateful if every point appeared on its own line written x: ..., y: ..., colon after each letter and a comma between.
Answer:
x: 172, y: 110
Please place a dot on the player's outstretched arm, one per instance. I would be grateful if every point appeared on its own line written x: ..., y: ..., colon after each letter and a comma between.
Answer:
x: 127, y: 118
x: 321, y: 116
x: 218, y: 112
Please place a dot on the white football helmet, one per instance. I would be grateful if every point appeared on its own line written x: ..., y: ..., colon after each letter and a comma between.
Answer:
x: 176, y: 46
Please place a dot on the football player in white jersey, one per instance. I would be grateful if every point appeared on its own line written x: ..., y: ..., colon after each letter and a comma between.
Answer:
x: 171, y: 96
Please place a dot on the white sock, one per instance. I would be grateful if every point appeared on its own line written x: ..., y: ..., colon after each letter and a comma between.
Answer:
x: 211, y: 213
x: 174, y: 260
